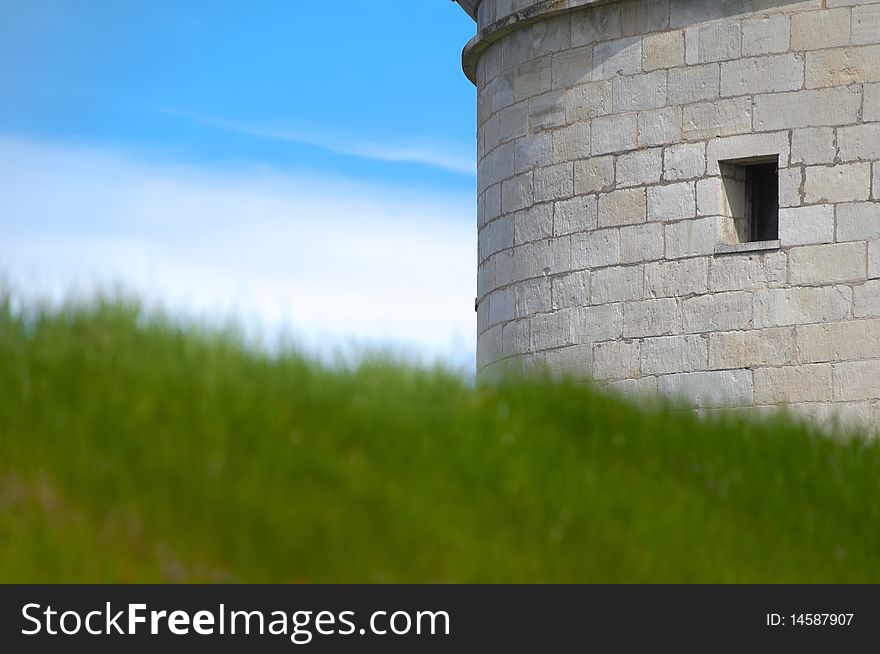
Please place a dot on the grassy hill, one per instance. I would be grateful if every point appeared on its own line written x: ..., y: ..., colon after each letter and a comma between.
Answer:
x: 133, y: 450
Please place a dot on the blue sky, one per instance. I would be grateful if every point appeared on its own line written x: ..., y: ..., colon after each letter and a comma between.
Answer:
x: 307, y: 166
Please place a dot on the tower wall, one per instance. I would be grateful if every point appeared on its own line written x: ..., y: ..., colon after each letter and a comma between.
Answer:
x: 609, y: 233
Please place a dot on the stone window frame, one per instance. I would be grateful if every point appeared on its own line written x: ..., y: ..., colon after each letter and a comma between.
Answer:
x: 729, y: 235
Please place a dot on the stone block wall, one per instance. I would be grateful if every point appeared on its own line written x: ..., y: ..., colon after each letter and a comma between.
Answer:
x: 608, y: 245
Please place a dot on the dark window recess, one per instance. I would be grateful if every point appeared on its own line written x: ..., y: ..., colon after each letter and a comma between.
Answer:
x: 762, y: 201
x: 752, y: 190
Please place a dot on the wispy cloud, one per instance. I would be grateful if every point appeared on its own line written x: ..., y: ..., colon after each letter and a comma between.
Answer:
x: 333, y: 260
x: 457, y: 161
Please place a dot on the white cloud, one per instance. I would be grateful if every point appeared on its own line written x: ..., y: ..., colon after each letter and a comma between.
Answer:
x: 410, y: 152
x: 332, y: 260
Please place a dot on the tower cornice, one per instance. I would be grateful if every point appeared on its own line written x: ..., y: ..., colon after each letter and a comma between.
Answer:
x: 517, y: 20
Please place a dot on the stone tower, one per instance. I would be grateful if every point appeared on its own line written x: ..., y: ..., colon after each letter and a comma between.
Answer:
x: 683, y: 196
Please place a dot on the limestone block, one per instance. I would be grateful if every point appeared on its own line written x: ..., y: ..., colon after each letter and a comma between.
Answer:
x: 643, y: 17
x: 784, y: 72
x: 746, y: 146
x: 617, y: 284
x: 672, y: 202
x: 482, y: 315
x: 712, y: 200
x: 677, y: 278
x: 790, y: 182
x: 875, y: 187
x: 856, y: 380
x: 599, y: 323
x: 859, y: 143
x: 659, y: 126
x: 866, y: 300
x: 489, y: 346
x: 615, y: 58
x: 571, y: 143
x: 866, y: 24
x: 827, y: 264
x: 586, y: 101
x: 874, y: 259
x: 766, y: 35
x: 800, y: 306
x: 670, y: 354
x: 663, y: 50
x: 623, y: 207
x: 500, y: 235
x: 574, y: 361
x: 516, y: 49
x: 488, y: 135
x: 806, y: 225
x: 843, y: 66
x: 533, y: 260
x: 531, y: 78
x: 485, y: 278
x: 841, y: 183
x: 597, y: 24
x: 641, y: 243
x: 712, y: 42
x: 533, y: 150
x: 793, y: 384
x: 550, y: 35
x: 533, y: 296
x: 639, y: 167
x: 517, y: 193
x: 646, y: 91
x: 502, y: 305
x: 572, y: 67
x: 718, y: 312
x: 514, y: 121
x: 635, y: 388
x: 820, y: 29
x: 651, y: 318
x: 722, y: 118
x: 550, y: 330
x: 694, y: 84
x: 685, y: 161
x: 515, y: 338
x: 814, y: 145
x: 595, y: 249
x: 872, y: 102
x: 748, y: 272
x: 577, y: 214
x: 691, y: 238
x: 547, y: 110
x: 859, y: 221
x: 533, y: 224
x: 616, y: 359
x: 688, y: 12
x: 722, y: 388
x: 841, y: 341
x: 614, y: 133
x: 836, y: 106
x: 491, y: 203
x: 593, y: 175
x: 751, y: 348
x: 498, y: 95
x: 554, y: 182
x: 571, y: 290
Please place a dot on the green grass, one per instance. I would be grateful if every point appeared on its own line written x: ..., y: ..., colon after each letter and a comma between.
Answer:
x: 135, y: 450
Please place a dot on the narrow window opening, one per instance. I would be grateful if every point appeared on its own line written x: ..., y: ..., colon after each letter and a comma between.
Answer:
x: 751, y: 207
x: 762, y: 195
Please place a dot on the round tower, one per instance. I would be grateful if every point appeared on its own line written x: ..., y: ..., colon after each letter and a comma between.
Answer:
x: 681, y: 196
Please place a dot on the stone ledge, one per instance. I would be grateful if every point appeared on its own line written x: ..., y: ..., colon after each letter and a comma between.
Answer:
x: 755, y: 246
